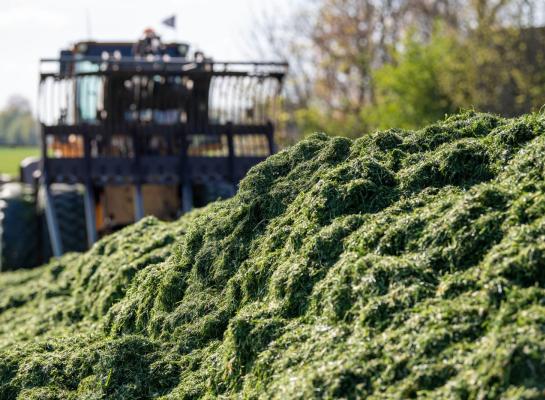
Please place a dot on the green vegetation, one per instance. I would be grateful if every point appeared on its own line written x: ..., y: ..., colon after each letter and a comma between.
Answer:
x: 360, y: 65
x: 403, y: 264
x: 415, y: 90
x: 11, y: 157
x: 18, y: 127
x: 428, y: 80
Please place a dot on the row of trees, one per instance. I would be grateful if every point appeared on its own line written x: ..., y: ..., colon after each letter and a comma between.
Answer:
x: 359, y: 65
x: 18, y: 127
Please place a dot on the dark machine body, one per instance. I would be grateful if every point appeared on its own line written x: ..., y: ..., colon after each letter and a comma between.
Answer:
x: 136, y: 134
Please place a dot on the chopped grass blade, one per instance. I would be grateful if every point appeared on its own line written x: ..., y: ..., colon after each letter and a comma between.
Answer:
x: 400, y: 265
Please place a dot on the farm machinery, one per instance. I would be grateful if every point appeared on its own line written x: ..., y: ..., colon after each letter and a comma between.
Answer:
x: 129, y: 130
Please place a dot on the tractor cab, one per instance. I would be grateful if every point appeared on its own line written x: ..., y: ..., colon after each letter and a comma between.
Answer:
x: 147, y: 128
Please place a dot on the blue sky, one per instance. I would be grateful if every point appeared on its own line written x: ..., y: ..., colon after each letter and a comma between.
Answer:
x: 33, y: 29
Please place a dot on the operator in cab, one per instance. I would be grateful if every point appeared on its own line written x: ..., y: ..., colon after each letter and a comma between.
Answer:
x: 149, y: 44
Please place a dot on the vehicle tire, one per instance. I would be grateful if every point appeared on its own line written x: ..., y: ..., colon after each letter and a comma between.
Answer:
x: 69, y: 208
x: 19, y: 227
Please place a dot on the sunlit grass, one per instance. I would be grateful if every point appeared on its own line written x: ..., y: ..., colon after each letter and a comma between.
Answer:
x: 11, y: 157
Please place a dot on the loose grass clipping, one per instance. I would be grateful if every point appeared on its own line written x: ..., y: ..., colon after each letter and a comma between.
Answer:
x: 405, y: 264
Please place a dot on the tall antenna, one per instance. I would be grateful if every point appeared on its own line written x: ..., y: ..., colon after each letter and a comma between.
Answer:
x: 88, y: 23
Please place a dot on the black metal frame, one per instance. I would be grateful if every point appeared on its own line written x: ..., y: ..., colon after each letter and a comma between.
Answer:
x: 152, y: 169
x: 174, y: 122
x: 230, y: 120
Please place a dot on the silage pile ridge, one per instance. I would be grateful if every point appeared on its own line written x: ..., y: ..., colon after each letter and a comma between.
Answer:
x: 400, y: 265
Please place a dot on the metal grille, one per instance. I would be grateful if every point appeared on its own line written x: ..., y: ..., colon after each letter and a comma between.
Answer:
x: 131, y: 120
x: 248, y: 100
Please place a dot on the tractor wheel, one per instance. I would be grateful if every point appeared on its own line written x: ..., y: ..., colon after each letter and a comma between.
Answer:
x: 69, y: 208
x: 19, y: 227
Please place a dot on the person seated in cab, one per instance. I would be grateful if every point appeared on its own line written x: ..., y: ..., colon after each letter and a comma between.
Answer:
x: 149, y: 44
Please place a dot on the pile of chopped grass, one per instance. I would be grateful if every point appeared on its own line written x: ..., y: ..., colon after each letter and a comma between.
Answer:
x: 400, y: 265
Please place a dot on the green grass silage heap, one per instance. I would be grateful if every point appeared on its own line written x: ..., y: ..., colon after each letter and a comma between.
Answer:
x: 403, y: 264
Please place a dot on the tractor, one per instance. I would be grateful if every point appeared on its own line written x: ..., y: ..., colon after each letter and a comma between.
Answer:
x: 129, y: 130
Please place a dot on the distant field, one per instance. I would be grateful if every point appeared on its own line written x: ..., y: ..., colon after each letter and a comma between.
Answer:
x: 10, y: 157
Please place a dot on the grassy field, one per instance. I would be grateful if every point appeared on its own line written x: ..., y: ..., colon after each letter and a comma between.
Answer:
x: 10, y: 157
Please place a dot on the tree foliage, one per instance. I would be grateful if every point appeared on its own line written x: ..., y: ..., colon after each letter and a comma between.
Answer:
x: 406, y: 63
x: 18, y: 126
x: 414, y: 89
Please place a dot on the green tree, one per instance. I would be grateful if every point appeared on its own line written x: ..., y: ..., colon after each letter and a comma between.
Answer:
x: 413, y: 90
x: 18, y: 127
x: 383, y: 63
